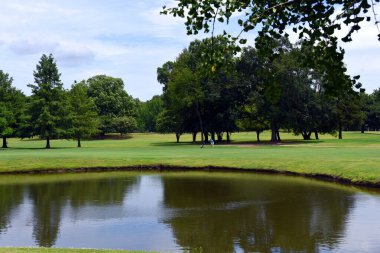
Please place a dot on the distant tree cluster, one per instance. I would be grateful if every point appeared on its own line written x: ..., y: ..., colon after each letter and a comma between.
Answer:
x: 97, y: 106
x: 267, y: 87
x: 371, y: 109
x: 147, y: 114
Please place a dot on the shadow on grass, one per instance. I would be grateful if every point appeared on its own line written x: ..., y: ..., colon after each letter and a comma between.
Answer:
x: 173, y: 143
x: 267, y: 142
x: 239, y: 143
x: 39, y: 148
x: 112, y: 137
x: 96, y: 138
x: 371, y: 133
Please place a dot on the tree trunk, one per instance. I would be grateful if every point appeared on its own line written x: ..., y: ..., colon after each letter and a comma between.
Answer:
x: 228, y: 137
x: 177, y: 135
x: 47, y: 142
x: 258, y: 135
x: 316, y: 135
x: 200, y: 121
x: 206, y: 137
x: 194, y: 137
x: 362, y: 129
x: 220, y: 136
x: 306, y: 135
x: 278, y: 135
x: 274, y: 136
x: 213, y: 136
x: 79, y: 145
x: 5, y: 145
x: 340, y: 132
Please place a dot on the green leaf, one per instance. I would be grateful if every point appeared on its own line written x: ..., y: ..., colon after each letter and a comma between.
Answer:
x: 243, y: 41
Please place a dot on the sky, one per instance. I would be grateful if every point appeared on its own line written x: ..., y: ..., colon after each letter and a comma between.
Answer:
x: 121, y: 38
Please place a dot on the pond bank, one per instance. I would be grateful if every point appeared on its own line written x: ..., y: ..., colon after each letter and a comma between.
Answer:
x: 168, y: 168
x: 354, y: 160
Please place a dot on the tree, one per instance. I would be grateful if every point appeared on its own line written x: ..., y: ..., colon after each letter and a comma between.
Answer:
x: 6, y: 118
x: 315, y: 22
x: 125, y: 124
x: 284, y: 93
x: 169, y: 122
x: 12, y: 105
x: 111, y: 100
x: 49, y: 108
x: 248, y: 67
x: 371, y: 109
x: 148, y: 112
x: 250, y: 120
x: 204, y: 102
x: 182, y: 94
x: 83, y: 115
x: 272, y: 82
x: 348, y: 111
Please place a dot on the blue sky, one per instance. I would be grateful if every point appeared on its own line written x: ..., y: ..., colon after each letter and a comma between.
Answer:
x: 120, y: 38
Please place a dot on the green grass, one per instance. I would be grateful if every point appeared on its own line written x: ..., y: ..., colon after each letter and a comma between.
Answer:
x: 52, y: 250
x: 356, y: 157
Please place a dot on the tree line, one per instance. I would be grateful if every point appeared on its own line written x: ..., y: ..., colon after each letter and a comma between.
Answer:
x: 91, y: 107
x: 267, y: 87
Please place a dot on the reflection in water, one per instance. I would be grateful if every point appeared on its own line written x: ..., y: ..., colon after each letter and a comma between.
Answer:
x: 167, y: 212
x: 219, y: 215
x: 10, y: 197
x: 49, y: 200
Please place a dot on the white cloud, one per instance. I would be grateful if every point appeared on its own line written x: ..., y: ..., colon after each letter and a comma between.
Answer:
x: 119, y: 38
x: 31, y: 46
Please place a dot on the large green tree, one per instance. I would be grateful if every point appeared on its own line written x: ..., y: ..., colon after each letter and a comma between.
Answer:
x: 371, y: 108
x: 124, y: 124
x: 12, y: 105
x: 170, y: 122
x: 148, y: 112
x: 315, y: 22
x: 348, y: 111
x: 203, y: 101
x: 49, y: 107
x: 111, y: 100
x: 284, y: 93
x: 83, y: 115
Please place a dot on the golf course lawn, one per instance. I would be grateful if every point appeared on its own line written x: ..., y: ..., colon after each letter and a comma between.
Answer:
x: 355, y: 158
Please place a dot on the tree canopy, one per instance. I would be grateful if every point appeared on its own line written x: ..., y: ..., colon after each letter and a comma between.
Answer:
x: 13, y: 103
x: 316, y: 23
x: 205, y: 101
x: 111, y: 100
x: 83, y: 116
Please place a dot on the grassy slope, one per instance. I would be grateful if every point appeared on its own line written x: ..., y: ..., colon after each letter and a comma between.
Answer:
x: 357, y: 157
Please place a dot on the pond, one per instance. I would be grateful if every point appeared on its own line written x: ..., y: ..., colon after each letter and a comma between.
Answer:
x: 180, y: 211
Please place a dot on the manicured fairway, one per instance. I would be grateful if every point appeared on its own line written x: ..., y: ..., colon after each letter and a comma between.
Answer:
x: 356, y: 157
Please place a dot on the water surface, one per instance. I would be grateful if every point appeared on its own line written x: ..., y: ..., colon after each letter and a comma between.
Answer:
x: 197, y: 211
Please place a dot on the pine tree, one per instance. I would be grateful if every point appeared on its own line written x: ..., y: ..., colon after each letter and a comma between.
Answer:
x: 49, y: 106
